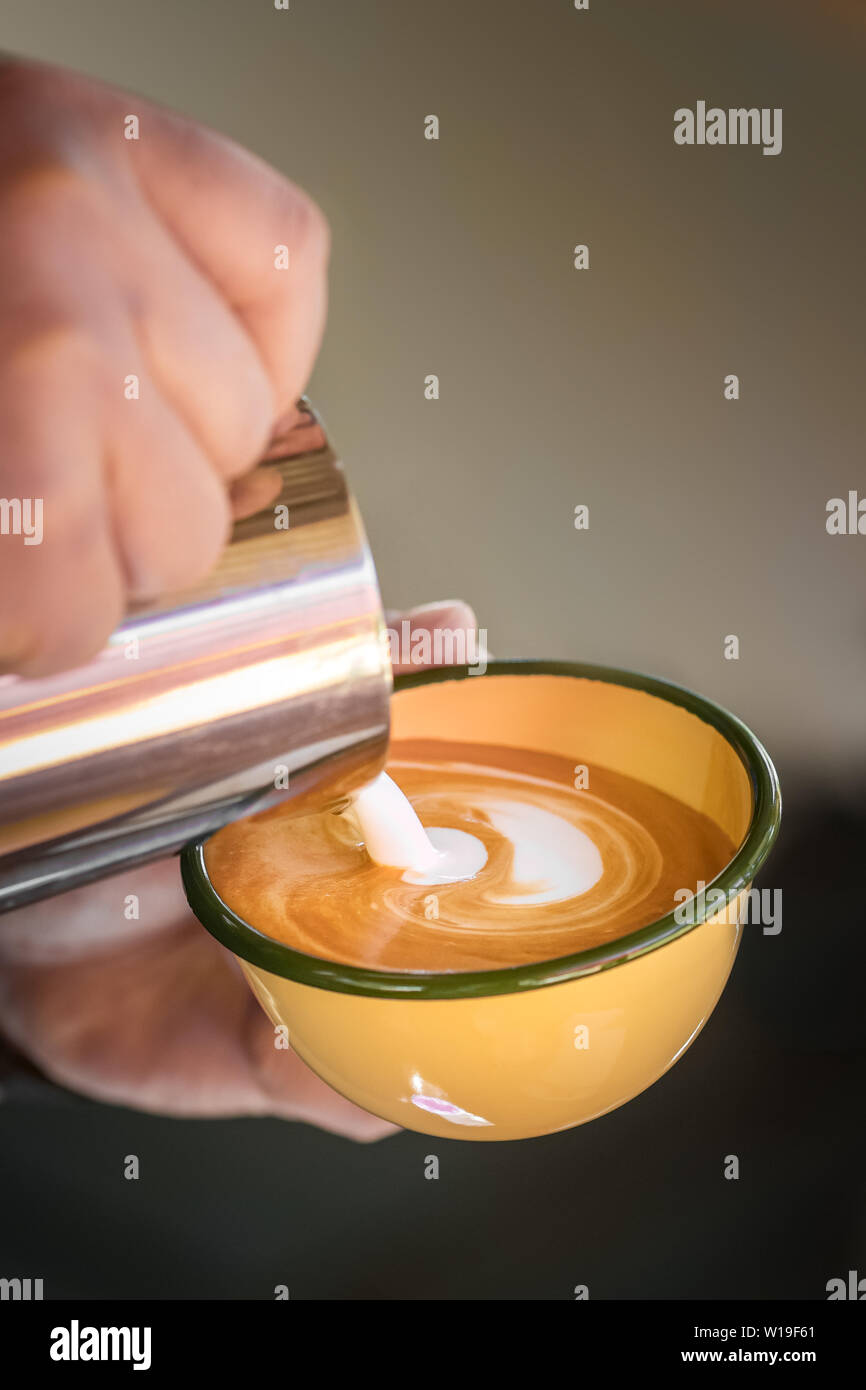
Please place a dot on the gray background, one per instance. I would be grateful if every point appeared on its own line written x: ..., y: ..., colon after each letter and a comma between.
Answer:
x: 707, y: 518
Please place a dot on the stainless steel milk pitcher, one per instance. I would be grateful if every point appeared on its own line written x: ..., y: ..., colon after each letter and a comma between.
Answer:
x: 269, y: 680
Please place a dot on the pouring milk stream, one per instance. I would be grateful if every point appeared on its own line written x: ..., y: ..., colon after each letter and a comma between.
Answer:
x: 552, y: 859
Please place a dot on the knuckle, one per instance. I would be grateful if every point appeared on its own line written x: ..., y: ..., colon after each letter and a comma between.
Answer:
x: 309, y: 232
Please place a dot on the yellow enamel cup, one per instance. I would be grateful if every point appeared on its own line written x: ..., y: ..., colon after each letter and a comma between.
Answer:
x: 532, y: 1049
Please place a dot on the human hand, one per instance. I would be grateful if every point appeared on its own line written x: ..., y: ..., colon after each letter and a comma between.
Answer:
x: 153, y: 258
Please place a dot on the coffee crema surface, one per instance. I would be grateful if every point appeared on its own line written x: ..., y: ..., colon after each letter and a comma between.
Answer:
x: 563, y: 869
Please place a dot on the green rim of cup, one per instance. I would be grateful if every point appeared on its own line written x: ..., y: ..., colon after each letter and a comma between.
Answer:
x: 260, y: 950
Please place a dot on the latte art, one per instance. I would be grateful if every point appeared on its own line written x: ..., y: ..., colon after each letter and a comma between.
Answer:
x: 551, y: 860
x: 554, y: 870
x: 558, y: 862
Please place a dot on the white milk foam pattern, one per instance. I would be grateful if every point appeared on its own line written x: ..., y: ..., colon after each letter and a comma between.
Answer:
x: 552, y: 860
